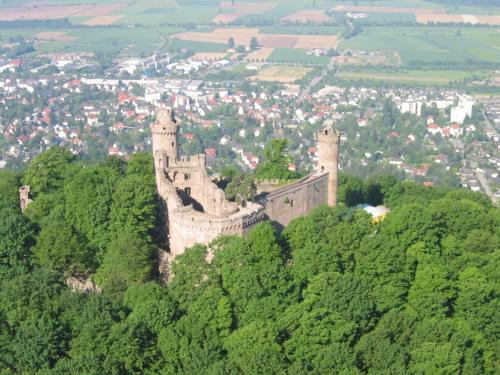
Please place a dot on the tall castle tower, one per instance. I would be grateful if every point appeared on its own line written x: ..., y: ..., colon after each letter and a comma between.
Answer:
x: 328, y: 160
x: 164, y: 133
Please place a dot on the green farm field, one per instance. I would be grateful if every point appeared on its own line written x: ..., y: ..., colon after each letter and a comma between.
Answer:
x: 171, y: 15
x: 197, y: 46
x: 426, y: 77
x: 448, y: 8
x: 145, y: 23
x: 99, y: 39
x: 430, y: 43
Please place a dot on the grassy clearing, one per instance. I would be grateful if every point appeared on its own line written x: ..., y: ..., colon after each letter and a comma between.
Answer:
x: 430, y: 77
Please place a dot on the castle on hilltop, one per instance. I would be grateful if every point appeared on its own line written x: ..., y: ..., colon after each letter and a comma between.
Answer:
x: 195, y: 209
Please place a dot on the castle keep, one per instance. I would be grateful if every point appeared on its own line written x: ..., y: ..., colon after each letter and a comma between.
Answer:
x: 195, y: 209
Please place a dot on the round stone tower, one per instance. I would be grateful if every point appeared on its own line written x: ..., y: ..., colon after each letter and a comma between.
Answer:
x: 328, y: 159
x: 164, y: 133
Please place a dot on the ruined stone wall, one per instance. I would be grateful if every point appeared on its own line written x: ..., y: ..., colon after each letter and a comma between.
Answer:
x: 188, y: 227
x: 190, y: 173
x: 195, y: 210
x: 290, y: 201
x: 24, y: 197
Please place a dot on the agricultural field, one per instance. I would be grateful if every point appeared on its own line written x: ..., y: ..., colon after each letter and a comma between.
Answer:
x: 172, y: 15
x: 458, y: 18
x: 195, y: 46
x: 103, y: 39
x: 425, y: 77
x: 279, y: 25
x: 230, y: 12
x: 281, y: 73
x: 54, y: 36
x: 296, y: 56
x: 302, y: 29
x: 389, y: 18
x: 242, y: 36
x: 430, y: 43
x: 422, y: 12
x: 261, y: 54
x: 305, y: 16
x: 95, y: 39
x: 31, y: 11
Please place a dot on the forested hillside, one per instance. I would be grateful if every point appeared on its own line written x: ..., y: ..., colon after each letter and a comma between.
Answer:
x: 335, y: 293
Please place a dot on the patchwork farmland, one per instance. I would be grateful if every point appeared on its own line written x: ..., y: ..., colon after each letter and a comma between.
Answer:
x: 422, y: 15
x: 46, y: 12
x: 242, y: 36
x: 286, y: 30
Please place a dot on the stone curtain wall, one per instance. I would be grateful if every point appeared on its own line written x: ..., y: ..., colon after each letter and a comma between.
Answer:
x: 296, y: 199
x: 188, y: 227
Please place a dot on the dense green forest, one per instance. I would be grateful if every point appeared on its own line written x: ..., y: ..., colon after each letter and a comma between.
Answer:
x: 335, y: 293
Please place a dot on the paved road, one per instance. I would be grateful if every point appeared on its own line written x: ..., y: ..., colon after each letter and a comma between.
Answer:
x: 486, y: 186
x: 307, y: 90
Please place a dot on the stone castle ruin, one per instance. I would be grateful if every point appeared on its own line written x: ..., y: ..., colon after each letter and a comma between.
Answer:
x: 195, y: 209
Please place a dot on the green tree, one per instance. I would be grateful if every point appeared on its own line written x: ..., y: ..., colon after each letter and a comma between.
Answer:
x: 9, y: 185
x: 276, y: 162
x: 390, y: 114
x: 60, y: 247
x: 253, y: 43
x: 351, y: 190
x: 242, y: 188
x: 46, y: 172
x: 134, y: 206
x: 88, y: 198
x: 17, y: 236
x: 435, y: 358
x: 377, y: 187
x: 476, y: 299
x: 253, y: 348
x: 128, y: 260
x: 431, y: 292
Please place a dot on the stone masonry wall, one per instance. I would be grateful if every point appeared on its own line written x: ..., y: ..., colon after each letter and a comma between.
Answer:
x: 296, y: 199
x: 188, y: 227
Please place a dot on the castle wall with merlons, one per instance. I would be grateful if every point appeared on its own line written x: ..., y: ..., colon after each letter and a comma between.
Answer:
x: 187, y: 228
